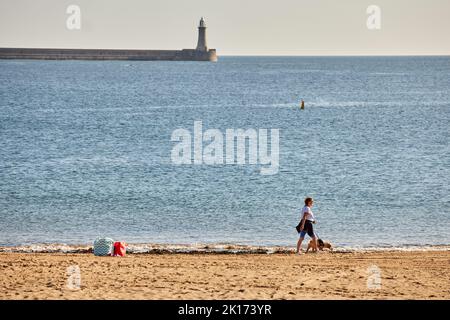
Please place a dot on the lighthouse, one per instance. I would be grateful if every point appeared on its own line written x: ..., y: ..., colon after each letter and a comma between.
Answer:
x: 201, y: 44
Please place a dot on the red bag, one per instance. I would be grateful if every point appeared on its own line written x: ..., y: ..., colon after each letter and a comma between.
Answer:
x: 119, y: 249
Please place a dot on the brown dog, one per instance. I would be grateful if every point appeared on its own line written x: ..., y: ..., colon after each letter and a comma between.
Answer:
x: 322, y: 245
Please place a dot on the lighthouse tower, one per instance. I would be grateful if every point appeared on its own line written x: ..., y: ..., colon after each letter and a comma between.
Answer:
x: 201, y: 44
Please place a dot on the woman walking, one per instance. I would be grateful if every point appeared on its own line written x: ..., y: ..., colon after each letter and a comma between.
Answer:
x: 306, y: 226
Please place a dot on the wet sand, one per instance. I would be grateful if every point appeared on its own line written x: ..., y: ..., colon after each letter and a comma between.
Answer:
x: 403, y: 275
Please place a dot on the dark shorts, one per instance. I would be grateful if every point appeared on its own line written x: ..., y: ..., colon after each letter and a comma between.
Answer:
x: 307, y: 229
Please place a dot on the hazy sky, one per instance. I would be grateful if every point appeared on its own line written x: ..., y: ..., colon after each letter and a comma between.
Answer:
x: 239, y: 27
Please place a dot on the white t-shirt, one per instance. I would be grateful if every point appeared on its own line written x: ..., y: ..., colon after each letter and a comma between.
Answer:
x: 308, y: 212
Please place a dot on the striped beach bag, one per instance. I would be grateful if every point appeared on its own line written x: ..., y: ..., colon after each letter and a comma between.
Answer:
x: 103, y: 247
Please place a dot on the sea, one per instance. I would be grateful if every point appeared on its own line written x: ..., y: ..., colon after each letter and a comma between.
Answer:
x: 86, y: 152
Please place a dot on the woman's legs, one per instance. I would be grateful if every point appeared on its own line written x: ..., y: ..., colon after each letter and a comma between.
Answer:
x: 313, y: 236
x: 315, y: 244
x: 299, y: 244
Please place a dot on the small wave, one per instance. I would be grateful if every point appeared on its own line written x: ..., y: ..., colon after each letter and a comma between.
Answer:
x: 48, y: 248
x: 149, y: 248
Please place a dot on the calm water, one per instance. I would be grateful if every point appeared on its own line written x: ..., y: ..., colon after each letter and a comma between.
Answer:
x: 85, y: 150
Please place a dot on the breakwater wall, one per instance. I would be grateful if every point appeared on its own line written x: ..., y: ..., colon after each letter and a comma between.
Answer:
x: 107, y: 54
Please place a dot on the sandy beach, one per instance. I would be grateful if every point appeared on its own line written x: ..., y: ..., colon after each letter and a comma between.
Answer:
x: 404, y: 275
